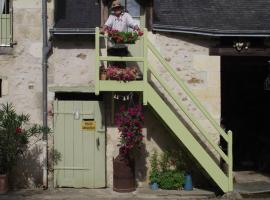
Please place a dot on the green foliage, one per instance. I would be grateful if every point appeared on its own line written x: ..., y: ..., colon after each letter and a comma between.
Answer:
x: 167, y: 169
x: 154, y: 174
x: 171, y: 179
x: 15, y: 133
x: 124, y: 37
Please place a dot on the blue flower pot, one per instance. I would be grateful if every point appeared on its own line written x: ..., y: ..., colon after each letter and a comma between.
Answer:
x: 188, y: 182
x: 154, y: 186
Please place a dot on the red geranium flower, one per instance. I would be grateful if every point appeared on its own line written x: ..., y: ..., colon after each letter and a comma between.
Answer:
x: 18, y: 130
x: 140, y: 33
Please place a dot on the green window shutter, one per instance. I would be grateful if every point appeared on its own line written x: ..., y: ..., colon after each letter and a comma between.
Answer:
x: 5, y: 29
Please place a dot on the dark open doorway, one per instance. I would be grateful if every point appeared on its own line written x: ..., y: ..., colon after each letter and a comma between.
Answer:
x: 245, y: 109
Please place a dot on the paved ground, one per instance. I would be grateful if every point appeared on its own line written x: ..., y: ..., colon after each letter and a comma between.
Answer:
x: 250, y: 176
x: 140, y: 194
x: 99, y: 194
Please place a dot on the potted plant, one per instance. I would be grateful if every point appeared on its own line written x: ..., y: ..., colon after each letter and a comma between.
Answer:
x: 15, y: 133
x: 167, y: 171
x: 103, y: 73
x: 154, y: 173
x: 129, y: 122
x: 120, y: 74
x: 124, y: 37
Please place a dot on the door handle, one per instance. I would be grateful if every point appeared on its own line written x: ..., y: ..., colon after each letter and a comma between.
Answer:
x: 98, y: 142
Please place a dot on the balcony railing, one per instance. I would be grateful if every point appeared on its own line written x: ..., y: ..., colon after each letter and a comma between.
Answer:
x: 223, y: 178
x: 114, y: 85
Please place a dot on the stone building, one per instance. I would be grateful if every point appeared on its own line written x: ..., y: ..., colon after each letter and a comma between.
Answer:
x: 218, y: 49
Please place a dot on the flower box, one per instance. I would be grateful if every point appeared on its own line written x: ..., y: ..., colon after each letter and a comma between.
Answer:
x: 117, y: 37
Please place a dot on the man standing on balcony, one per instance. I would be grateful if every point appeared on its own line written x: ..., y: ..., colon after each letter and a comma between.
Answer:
x: 119, y: 20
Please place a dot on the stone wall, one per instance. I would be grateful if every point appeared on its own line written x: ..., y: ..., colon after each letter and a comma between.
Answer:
x: 72, y: 63
x: 21, y: 66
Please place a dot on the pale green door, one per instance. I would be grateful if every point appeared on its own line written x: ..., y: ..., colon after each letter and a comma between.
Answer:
x: 79, y: 140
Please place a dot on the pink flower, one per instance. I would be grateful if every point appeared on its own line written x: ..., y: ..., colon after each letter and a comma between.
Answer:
x: 130, y: 134
x: 142, y: 116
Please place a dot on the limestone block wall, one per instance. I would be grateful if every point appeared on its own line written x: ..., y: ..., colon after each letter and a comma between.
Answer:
x: 21, y: 66
x: 189, y: 56
x: 72, y: 63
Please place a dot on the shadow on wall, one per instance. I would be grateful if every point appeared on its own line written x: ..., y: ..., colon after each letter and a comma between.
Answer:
x: 141, y: 164
x: 192, y: 39
x: 158, y: 133
x: 28, y: 172
x: 160, y: 137
x: 75, y: 42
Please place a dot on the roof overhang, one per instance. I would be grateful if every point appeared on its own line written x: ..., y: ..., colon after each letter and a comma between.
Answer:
x: 215, y: 18
x: 210, y: 32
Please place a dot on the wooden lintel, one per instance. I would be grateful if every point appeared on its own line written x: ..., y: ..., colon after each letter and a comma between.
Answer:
x: 230, y: 51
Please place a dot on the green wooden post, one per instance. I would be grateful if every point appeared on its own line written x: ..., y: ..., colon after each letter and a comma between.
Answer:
x: 97, y: 62
x: 189, y: 115
x: 145, y: 66
x: 187, y: 90
x: 230, y: 164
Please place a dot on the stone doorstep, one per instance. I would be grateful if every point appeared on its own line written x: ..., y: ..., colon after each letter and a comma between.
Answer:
x: 140, y: 193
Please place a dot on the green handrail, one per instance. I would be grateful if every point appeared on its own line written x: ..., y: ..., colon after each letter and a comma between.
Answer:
x: 97, y: 47
x: 187, y: 91
x: 188, y: 114
x: 147, y: 45
x: 230, y: 164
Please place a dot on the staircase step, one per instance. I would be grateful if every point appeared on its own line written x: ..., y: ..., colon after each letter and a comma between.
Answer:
x: 179, y: 129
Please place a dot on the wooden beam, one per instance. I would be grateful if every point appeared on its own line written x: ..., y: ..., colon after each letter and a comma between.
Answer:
x: 230, y: 51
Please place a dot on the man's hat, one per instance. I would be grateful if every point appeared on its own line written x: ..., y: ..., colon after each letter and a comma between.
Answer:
x: 116, y: 4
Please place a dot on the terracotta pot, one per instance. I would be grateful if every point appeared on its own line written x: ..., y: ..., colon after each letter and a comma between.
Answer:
x: 123, y: 174
x: 3, y: 184
x: 103, y: 76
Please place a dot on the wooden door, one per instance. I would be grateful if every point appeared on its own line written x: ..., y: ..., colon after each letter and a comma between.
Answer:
x: 79, y: 140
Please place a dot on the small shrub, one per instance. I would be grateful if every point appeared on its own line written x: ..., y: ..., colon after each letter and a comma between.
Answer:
x: 171, y: 179
x: 154, y: 174
x: 168, y: 171
x: 15, y: 134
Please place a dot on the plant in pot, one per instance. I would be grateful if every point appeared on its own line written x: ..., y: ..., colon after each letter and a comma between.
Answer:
x: 129, y: 122
x: 103, y: 73
x: 15, y: 134
x: 120, y: 74
x: 154, y: 173
x: 172, y: 174
x: 118, y: 37
x: 167, y: 171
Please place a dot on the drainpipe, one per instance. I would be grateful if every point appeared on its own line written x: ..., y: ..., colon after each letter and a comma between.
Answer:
x: 44, y: 90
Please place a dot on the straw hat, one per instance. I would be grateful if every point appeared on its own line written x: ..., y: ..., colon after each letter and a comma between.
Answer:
x: 116, y: 4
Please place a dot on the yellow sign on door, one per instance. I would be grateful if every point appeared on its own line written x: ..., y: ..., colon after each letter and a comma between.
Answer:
x: 88, y: 125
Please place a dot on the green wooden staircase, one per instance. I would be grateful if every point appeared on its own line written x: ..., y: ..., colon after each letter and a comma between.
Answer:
x: 151, y: 97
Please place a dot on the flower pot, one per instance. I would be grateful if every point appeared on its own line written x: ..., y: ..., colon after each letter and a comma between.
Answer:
x: 3, y: 184
x: 188, y: 182
x: 123, y: 174
x: 154, y: 186
x: 103, y: 76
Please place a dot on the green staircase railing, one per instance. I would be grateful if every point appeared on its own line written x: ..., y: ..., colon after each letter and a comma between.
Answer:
x: 223, y: 179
